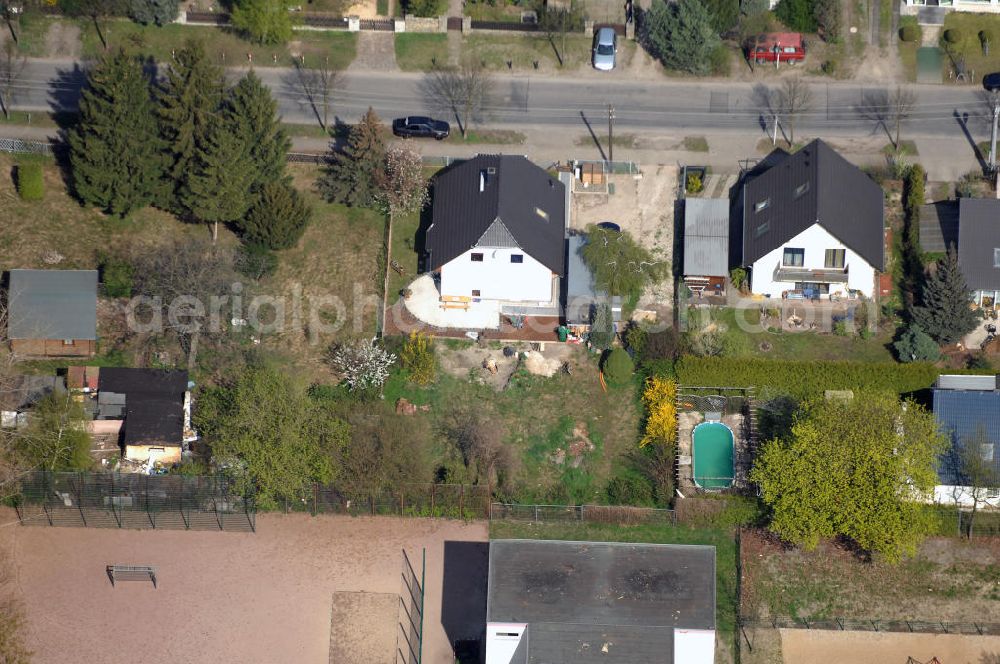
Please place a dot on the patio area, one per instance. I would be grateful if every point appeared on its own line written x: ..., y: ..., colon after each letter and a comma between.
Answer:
x: 424, y: 303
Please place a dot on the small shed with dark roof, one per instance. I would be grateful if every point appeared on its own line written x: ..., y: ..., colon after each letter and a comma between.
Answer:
x: 979, y: 247
x: 151, y: 401
x: 52, y: 313
x: 556, y: 602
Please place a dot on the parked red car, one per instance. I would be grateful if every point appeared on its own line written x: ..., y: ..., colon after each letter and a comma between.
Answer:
x: 777, y: 47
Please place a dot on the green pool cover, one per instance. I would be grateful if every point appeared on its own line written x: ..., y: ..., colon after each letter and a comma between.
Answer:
x: 712, y: 449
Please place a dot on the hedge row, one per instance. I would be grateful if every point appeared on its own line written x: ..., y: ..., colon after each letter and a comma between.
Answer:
x: 805, y: 379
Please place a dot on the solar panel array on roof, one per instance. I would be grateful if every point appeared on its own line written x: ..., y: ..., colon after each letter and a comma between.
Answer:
x: 965, y: 416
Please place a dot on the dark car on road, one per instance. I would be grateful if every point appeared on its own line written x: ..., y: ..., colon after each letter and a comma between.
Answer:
x: 420, y: 127
x: 992, y: 81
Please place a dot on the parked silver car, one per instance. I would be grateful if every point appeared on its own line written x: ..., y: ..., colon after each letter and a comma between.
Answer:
x: 605, y: 47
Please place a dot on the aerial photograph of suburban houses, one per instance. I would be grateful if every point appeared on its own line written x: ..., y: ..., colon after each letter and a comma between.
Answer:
x: 499, y: 332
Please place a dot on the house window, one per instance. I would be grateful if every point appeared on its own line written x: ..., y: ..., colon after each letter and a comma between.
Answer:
x: 517, y: 258
x: 986, y: 451
x: 762, y: 205
x: 476, y: 258
x: 476, y: 293
x: 67, y: 342
x: 800, y: 190
x: 816, y: 288
x: 996, y: 257
x: 793, y: 257
x: 762, y: 229
x: 835, y: 258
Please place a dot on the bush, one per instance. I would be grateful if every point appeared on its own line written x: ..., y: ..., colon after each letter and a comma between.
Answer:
x: 278, y: 219
x: 417, y: 357
x: 719, y: 59
x: 986, y: 36
x: 116, y: 275
x: 830, y: 67
x: 629, y: 490
x: 425, y: 8
x: 618, y: 367
x: 914, y: 345
x: 30, y: 183
x: 953, y: 35
x: 803, y: 379
x: 909, y: 33
x: 635, y: 338
x: 256, y: 261
x: 659, y: 396
x: 738, y: 276
x: 160, y: 12
x: 602, y: 328
x: 694, y: 184
x: 797, y: 15
x: 979, y: 362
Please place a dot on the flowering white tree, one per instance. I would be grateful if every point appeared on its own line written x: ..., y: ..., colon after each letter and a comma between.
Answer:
x: 401, y: 185
x: 364, y: 365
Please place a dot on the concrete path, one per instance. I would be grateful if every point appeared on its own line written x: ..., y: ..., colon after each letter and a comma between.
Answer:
x: 376, y: 52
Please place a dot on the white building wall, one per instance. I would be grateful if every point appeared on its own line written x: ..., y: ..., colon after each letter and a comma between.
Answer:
x: 694, y: 646
x: 946, y: 494
x: 496, y: 278
x: 815, y: 240
x: 502, y: 640
x: 983, y: 6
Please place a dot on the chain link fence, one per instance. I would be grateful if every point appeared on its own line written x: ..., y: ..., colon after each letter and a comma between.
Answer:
x: 875, y: 625
x: 621, y: 515
x: 459, y: 501
x: 19, y: 146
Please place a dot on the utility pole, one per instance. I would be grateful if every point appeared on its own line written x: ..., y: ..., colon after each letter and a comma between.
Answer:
x: 774, y: 135
x: 995, y: 99
x: 611, y: 132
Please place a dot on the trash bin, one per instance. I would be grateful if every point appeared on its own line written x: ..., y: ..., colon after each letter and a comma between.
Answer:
x: 563, y: 333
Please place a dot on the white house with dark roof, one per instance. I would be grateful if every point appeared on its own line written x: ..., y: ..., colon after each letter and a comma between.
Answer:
x: 979, y: 248
x: 498, y: 232
x: 811, y: 225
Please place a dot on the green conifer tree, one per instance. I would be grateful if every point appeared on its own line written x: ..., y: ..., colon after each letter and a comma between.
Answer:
x: 944, y: 311
x: 351, y: 176
x: 278, y: 218
x: 251, y: 114
x: 216, y: 188
x: 188, y: 106
x: 115, y: 150
x: 681, y: 35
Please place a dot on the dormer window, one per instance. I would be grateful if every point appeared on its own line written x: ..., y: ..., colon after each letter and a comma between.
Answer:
x: 996, y: 257
x: 762, y: 205
x: 800, y: 190
x: 542, y: 213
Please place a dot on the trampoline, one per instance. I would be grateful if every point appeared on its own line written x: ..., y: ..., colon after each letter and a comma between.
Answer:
x: 712, y: 451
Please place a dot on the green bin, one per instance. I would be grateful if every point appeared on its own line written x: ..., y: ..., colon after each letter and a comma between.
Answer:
x: 563, y: 333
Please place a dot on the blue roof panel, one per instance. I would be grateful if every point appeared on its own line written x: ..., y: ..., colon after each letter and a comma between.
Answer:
x: 961, y: 413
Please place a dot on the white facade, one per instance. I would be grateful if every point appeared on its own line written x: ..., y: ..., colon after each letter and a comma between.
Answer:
x: 496, y: 276
x: 814, y: 242
x: 694, y: 646
x: 981, y: 6
x: 502, y: 640
x: 945, y: 494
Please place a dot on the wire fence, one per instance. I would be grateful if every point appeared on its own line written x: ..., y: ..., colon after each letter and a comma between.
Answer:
x: 875, y: 625
x: 621, y: 515
x: 458, y: 501
x: 19, y: 146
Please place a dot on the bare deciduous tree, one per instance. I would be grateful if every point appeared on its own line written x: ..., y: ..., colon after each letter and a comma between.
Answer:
x: 976, y: 470
x: 481, y: 444
x: 317, y: 84
x: 559, y: 22
x: 462, y: 92
x: 402, y: 186
x: 794, y: 98
x: 902, y: 101
x: 12, y: 65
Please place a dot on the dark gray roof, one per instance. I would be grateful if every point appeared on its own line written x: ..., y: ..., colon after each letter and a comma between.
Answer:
x: 939, y: 226
x: 580, y: 295
x: 514, y: 190
x: 814, y: 185
x: 153, y: 403
x: 979, y: 242
x: 706, y: 237
x: 576, y: 596
x: 961, y: 415
x: 52, y: 304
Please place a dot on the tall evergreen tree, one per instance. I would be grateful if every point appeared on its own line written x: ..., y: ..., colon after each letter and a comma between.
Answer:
x: 217, y: 187
x: 115, y: 150
x: 681, y: 35
x: 944, y: 311
x: 278, y: 219
x: 188, y: 106
x: 160, y: 12
x: 352, y: 175
x: 251, y: 114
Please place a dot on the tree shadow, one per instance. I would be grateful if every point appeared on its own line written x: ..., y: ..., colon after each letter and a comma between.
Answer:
x: 64, y: 103
x: 597, y: 141
x: 463, y: 594
x: 874, y: 106
x: 963, y: 122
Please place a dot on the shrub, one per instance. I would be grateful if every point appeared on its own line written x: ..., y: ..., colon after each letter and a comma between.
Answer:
x: 629, y: 490
x: 909, y: 33
x: 278, y: 219
x: 30, y: 184
x: 738, y: 276
x: 914, y: 345
x: 797, y: 14
x: 425, y: 8
x: 802, y: 379
x: 417, y: 357
x: 159, y: 12
x: 667, y: 344
x: 719, y: 59
x: 953, y: 35
x: 256, y: 261
x: 694, y: 184
x: 618, y: 367
x: 986, y: 36
x: 659, y: 398
x: 830, y: 67
x: 979, y: 362
x: 635, y: 338
x: 116, y: 275
x: 602, y: 328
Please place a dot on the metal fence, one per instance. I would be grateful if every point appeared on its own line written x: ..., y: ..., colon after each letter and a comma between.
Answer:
x: 16, y: 145
x: 130, y: 500
x: 621, y: 515
x: 877, y: 625
x: 441, y: 500
x: 410, y: 639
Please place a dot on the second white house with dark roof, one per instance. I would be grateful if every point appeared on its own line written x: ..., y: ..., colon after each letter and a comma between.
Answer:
x: 811, y: 225
x: 498, y: 232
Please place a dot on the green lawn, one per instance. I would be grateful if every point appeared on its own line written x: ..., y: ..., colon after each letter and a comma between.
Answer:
x: 420, y: 52
x: 908, y: 50
x: 493, y: 51
x: 486, y: 136
x: 32, y: 29
x: 403, y: 251
x: 969, y: 46
x: 223, y: 44
x: 722, y: 539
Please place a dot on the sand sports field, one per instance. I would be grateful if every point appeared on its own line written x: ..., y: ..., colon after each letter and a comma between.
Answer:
x: 262, y: 597
x: 805, y: 646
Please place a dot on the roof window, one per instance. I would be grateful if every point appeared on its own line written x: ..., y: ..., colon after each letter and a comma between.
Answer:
x: 763, y: 228
x: 762, y: 205
x: 996, y: 257
x: 542, y: 213
x: 800, y: 190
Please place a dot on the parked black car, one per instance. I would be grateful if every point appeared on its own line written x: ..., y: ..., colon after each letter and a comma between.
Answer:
x: 420, y: 127
x: 992, y: 81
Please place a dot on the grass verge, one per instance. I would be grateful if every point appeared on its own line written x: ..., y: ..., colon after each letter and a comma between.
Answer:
x: 695, y: 144
x: 969, y: 46
x: 421, y: 52
x: 486, y: 136
x: 906, y: 148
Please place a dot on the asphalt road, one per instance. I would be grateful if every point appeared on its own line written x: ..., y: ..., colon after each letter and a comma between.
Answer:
x: 519, y: 100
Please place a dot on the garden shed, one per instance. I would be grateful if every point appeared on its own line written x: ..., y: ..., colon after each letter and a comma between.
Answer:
x: 706, y: 245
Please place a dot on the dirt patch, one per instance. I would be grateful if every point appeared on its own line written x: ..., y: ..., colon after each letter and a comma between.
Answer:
x: 230, y: 597
x: 471, y: 363
x: 63, y: 40
x: 800, y: 646
x: 363, y: 628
